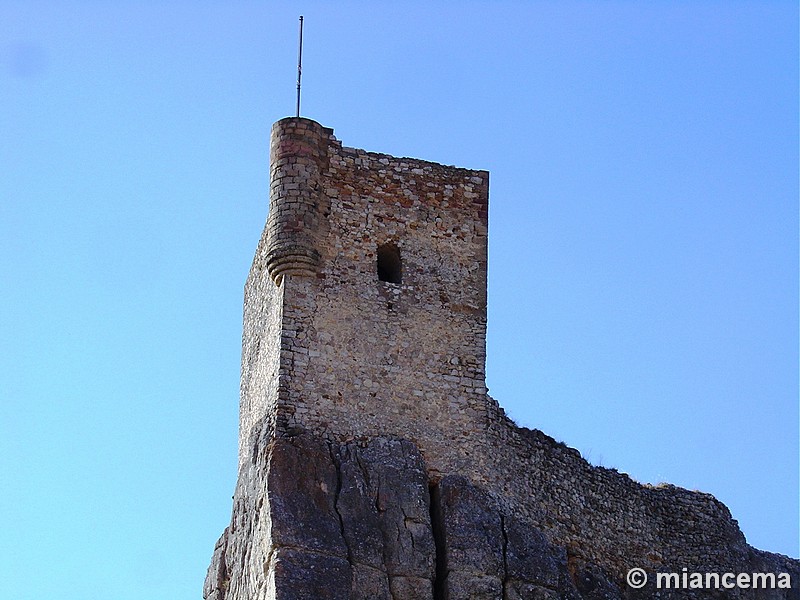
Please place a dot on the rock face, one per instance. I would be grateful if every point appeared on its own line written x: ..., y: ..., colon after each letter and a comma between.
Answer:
x: 372, y: 461
x: 319, y: 519
x: 329, y: 521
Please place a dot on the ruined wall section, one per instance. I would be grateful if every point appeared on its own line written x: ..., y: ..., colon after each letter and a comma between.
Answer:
x: 368, y: 357
x: 601, y: 515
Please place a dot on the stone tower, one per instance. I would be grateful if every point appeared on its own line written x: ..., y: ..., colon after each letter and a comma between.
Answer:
x: 372, y: 462
x: 365, y: 310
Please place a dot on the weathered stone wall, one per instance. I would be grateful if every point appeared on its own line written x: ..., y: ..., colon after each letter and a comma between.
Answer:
x: 261, y: 354
x: 332, y: 353
x: 359, y: 356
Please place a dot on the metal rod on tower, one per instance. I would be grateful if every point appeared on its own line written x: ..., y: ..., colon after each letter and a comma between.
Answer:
x: 299, y: 65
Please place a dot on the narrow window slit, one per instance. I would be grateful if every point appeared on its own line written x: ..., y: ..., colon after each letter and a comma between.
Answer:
x: 389, y: 265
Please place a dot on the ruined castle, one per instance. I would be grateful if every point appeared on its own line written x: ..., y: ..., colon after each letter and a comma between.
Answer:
x: 372, y: 461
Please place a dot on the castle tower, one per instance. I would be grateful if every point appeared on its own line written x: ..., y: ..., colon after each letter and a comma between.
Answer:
x: 372, y: 462
x: 365, y: 309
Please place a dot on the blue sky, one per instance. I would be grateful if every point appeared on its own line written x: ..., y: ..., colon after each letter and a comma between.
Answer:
x: 643, y: 283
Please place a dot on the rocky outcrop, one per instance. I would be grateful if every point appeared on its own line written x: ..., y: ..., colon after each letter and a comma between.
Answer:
x: 316, y: 519
x: 336, y: 521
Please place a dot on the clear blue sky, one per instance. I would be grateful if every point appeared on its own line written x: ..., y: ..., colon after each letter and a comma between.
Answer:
x: 643, y: 283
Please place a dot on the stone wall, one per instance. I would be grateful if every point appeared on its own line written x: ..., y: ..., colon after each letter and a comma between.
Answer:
x: 359, y: 356
x: 336, y: 355
x: 261, y: 351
